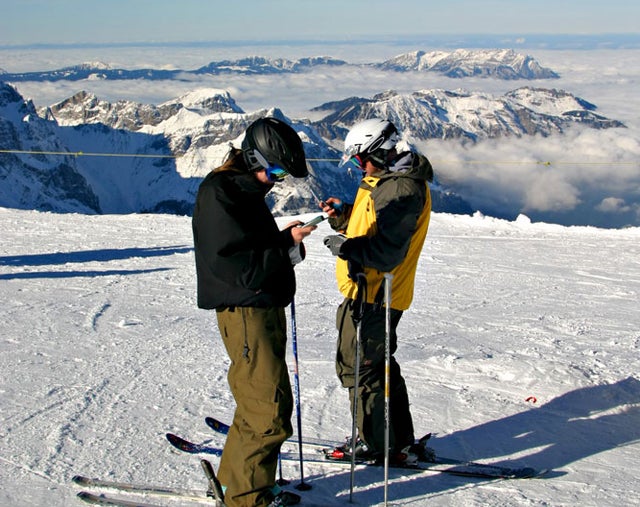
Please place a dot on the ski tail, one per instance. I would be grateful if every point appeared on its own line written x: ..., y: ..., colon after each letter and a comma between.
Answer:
x: 214, y: 483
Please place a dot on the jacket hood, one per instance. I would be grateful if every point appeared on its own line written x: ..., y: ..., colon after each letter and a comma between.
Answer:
x: 411, y: 165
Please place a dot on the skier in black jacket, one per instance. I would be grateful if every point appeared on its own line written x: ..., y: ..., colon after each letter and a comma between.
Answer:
x: 244, y: 266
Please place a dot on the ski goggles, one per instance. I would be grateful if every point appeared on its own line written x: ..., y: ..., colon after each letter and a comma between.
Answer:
x: 257, y: 161
x: 349, y: 153
x: 353, y: 160
x: 275, y: 173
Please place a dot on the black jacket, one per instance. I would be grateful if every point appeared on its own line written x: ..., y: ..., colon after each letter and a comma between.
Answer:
x: 241, y: 256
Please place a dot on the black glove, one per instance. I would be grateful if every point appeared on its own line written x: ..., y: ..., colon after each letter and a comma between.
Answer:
x: 334, y: 243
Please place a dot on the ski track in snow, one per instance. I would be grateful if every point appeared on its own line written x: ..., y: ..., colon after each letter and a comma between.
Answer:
x: 521, y: 347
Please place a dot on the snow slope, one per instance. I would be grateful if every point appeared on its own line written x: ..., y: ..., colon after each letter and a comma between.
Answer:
x: 103, y: 351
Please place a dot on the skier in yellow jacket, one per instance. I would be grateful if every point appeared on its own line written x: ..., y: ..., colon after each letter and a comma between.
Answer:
x: 383, y: 231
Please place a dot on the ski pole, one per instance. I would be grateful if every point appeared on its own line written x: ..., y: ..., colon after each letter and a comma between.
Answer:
x: 388, y: 277
x: 294, y: 340
x: 358, y: 312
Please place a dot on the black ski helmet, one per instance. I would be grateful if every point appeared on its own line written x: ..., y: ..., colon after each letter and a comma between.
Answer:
x: 272, y: 141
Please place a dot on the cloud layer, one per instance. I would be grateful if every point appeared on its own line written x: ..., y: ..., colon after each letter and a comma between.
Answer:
x: 581, y: 177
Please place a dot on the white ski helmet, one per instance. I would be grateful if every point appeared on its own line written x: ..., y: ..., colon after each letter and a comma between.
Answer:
x: 371, y: 138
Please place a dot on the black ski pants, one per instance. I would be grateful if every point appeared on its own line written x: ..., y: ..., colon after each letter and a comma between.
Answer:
x: 370, y: 415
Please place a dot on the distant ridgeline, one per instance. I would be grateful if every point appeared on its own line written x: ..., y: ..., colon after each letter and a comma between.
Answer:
x: 496, y: 63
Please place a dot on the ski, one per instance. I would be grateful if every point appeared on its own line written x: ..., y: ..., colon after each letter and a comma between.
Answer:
x: 217, y: 426
x: 457, y: 467
x: 96, y: 499
x: 141, y: 489
x: 223, y: 429
x: 194, y: 448
x: 453, y: 466
x: 441, y: 465
x: 145, y: 489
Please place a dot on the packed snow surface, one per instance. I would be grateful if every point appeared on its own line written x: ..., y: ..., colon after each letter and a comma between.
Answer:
x: 521, y: 347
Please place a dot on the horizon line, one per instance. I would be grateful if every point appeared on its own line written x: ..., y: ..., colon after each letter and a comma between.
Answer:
x: 542, y: 40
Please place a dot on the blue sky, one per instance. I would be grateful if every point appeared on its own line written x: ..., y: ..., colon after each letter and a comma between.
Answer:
x: 24, y: 22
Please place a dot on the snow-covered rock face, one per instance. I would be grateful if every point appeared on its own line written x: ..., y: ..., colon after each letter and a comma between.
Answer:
x: 37, y: 178
x: 206, y: 101
x: 86, y: 108
x: 127, y: 157
x: 442, y: 114
x: 12, y: 102
x: 499, y: 63
x: 421, y: 115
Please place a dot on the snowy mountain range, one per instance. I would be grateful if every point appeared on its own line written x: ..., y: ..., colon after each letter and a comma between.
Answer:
x: 89, y: 155
x: 126, y: 157
x: 497, y: 63
x: 460, y: 114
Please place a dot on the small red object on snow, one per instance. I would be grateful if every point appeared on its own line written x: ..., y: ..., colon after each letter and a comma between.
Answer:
x: 532, y: 399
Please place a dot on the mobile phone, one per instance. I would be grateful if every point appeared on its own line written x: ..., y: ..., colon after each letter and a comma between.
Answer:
x: 314, y: 221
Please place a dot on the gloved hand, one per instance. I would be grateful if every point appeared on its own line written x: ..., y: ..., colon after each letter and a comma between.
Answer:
x: 334, y: 243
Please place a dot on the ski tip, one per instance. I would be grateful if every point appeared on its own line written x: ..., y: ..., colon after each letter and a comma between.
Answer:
x: 526, y: 473
x: 535, y: 474
x: 190, y: 447
x: 216, y: 425
x: 213, y: 481
x: 208, y: 468
x: 180, y: 443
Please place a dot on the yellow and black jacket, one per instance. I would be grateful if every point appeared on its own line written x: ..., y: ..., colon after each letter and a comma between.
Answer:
x: 386, y: 226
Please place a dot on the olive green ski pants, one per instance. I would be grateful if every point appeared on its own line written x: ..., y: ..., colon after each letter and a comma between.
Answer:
x: 255, y: 339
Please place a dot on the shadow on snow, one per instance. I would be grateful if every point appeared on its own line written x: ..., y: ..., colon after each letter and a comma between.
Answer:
x: 571, y: 427
x: 102, y: 255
